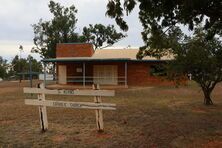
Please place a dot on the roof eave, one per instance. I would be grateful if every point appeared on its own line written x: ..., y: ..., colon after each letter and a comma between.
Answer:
x: 102, y: 60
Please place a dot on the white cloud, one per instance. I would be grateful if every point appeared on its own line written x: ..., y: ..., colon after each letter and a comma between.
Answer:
x: 11, y: 48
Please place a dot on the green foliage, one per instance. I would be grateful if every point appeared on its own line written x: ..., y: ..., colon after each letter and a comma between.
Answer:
x: 158, y: 70
x: 100, y: 34
x: 158, y: 17
x: 200, y: 57
x: 61, y: 29
x: 18, y: 65
x: 23, y: 65
x: 3, y: 68
x: 162, y: 44
x: 194, y: 55
x: 35, y: 65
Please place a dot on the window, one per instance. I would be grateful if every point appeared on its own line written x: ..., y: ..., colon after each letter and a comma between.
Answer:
x: 78, y: 69
x: 158, y: 70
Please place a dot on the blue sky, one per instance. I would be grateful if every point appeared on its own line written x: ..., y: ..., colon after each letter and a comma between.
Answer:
x: 16, y: 17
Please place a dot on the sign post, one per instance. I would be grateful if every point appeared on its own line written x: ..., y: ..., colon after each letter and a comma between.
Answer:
x: 42, y: 110
x: 99, y: 112
x: 97, y: 105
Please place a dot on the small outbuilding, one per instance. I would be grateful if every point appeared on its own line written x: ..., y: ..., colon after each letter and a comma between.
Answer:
x: 81, y: 64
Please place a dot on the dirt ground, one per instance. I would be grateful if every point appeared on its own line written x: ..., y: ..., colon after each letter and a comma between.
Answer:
x: 145, y: 117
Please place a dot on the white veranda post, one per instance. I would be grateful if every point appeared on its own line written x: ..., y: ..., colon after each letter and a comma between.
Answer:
x: 84, y: 74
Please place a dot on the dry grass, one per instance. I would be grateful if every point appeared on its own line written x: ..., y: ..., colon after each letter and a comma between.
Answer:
x: 145, y: 117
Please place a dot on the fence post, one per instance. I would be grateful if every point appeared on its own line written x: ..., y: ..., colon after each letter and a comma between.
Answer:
x: 42, y: 110
x: 99, y: 112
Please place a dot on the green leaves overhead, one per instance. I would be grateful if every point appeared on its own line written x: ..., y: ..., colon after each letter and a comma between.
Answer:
x: 3, y: 68
x: 170, y: 12
x: 159, y: 16
x: 99, y: 35
x: 115, y: 10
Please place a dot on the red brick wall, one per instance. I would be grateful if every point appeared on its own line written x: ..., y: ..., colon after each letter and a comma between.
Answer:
x: 74, y: 50
x: 138, y: 73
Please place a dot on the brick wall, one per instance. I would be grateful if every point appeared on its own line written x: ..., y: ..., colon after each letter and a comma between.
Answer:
x: 138, y: 73
x: 74, y: 50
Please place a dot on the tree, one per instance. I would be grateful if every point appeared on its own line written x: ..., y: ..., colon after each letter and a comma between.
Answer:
x: 100, y: 34
x: 197, y: 56
x: 61, y: 29
x: 3, y: 68
x: 18, y: 65
x: 35, y: 65
x: 22, y: 65
x: 157, y: 17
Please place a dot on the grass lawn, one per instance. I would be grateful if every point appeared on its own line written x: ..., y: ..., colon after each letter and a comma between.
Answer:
x: 145, y: 117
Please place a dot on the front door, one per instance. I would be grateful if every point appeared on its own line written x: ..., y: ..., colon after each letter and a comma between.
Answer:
x: 105, y: 74
x: 62, y: 74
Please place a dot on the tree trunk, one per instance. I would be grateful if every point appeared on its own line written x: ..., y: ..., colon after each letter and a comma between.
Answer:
x: 207, y: 98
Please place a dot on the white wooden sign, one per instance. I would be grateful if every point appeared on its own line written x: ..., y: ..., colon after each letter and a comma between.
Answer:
x: 98, y: 106
x: 107, y: 93
x: 77, y: 105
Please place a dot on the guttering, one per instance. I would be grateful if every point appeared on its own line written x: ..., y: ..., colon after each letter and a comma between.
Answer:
x: 99, y: 60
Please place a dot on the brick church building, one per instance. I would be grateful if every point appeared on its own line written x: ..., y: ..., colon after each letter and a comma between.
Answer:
x: 80, y: 64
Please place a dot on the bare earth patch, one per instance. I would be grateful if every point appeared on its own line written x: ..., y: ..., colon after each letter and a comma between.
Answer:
x: 213, y: 144
x: 58, y: 138
x: 6, y: 122
x: 199, y: 110
x: 175, y: 103
x: 8, y: 90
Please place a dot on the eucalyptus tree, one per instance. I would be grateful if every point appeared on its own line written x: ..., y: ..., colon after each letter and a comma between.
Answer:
x: 60, y: 29
x: 99, y: 35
